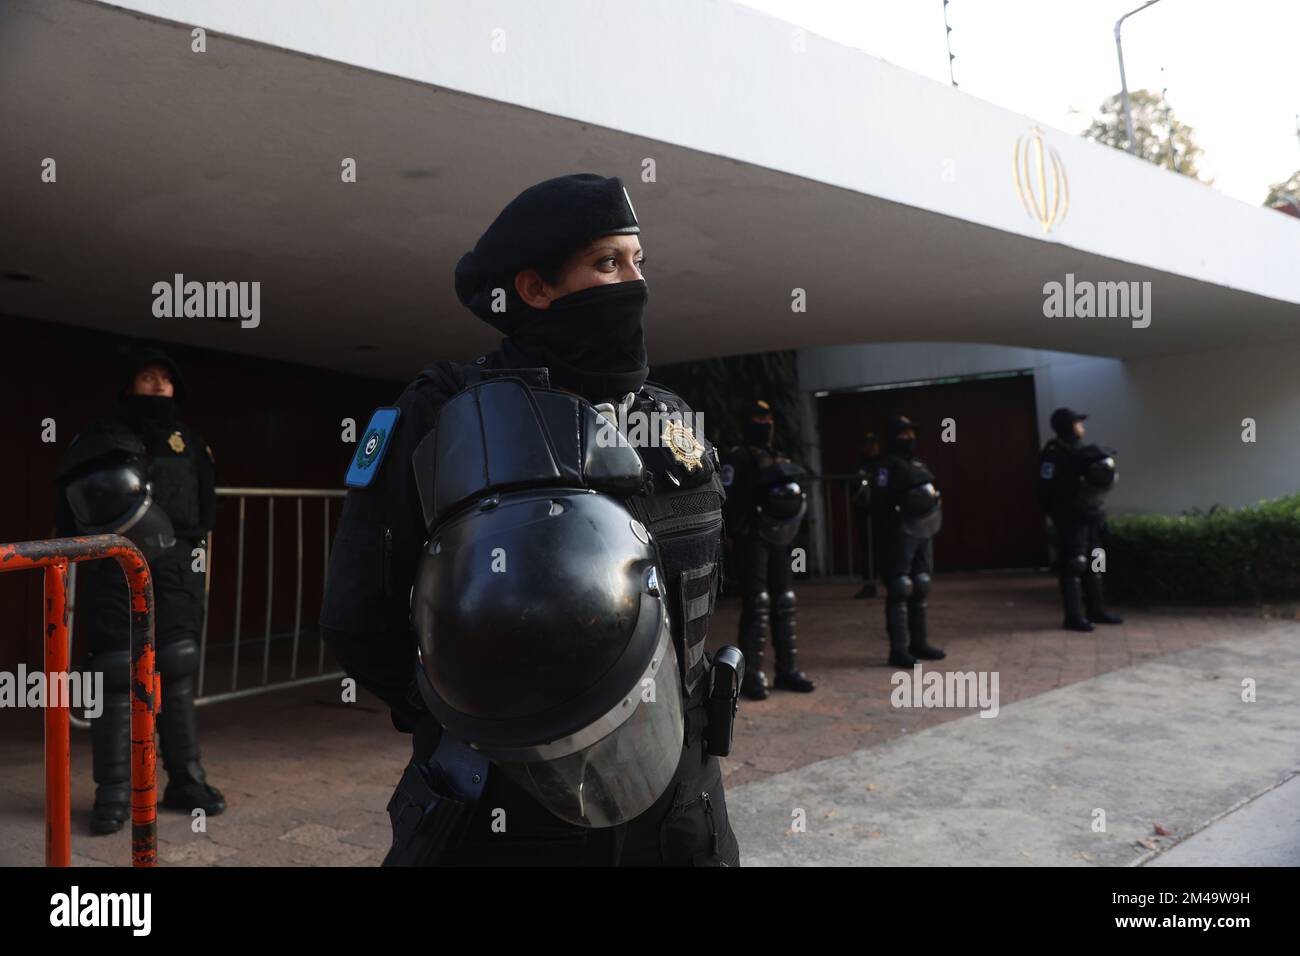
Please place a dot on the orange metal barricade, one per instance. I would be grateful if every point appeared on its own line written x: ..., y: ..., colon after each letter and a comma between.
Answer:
x: 54, y: 557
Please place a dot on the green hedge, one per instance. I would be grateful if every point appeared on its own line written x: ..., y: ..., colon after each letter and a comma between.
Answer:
x: 1224, y: 556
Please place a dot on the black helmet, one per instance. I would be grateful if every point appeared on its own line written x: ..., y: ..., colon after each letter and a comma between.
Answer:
x: 545, y: 644
x: 116, y: 498
x: 920, y: 500
x: 1097, y: 467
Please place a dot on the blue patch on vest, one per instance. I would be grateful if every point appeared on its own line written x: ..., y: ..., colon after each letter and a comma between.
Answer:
x: 1047, y: 471
x: 370, y: 453
x: 882, y: 478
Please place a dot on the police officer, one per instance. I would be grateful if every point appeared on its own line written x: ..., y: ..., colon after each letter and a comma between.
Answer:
x: 144, y: 450
x: 1073, y: 480
x: 906, y: 514
x: 765, y: 507
x: 861, y: 502
x: 545, y: 568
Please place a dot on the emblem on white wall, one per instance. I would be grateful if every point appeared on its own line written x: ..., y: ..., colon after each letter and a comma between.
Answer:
x: 1040, y: 180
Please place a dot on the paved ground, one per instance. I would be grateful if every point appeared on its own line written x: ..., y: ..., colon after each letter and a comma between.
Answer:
x: 308, y: 777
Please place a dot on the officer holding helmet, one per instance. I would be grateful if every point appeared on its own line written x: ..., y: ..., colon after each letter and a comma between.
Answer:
x: 1073, y: 480
x: 906, y: 514
x: 143, y: 473
x: 765, y: 507
x: 527, y: 587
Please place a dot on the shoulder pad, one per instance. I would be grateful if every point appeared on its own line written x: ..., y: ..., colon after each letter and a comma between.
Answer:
x: 370, y: 450
x: 502, y: 435
x: 106, y: 439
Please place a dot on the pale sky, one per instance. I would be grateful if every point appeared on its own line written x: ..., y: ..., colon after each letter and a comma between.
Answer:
x: 1232, y: 67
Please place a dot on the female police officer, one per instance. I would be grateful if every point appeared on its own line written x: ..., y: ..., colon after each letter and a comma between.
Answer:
x: 500, y: 451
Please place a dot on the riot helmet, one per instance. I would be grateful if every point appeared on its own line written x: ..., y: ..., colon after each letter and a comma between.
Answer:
x: 544, y: 637
x: 105, y: 481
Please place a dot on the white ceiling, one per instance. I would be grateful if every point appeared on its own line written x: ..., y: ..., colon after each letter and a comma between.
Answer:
x: 225, y: 166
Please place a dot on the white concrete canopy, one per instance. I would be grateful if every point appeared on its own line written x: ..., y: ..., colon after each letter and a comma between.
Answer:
x: 889, y: 198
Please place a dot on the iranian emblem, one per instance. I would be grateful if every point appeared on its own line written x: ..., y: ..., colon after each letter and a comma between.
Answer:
x: 176, y: 442
x: 1040, y: 180
x: 371, y: 446
x: 685, y: 447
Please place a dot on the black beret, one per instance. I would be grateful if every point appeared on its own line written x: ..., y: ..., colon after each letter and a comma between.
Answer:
x: 544, y: 224
x: 899, y: 424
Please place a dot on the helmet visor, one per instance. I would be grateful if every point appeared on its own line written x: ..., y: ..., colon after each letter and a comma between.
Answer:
x: 617, y: 776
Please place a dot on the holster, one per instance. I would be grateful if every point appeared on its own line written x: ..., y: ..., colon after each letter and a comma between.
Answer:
x: 434, y: 800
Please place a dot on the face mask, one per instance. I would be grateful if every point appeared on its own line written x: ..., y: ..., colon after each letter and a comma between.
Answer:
x: 759, y: 433
x: 151, y: 408
x: 902, y: 446
x: 592, y: 341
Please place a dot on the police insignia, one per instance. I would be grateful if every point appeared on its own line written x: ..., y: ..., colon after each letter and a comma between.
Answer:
x: 176, y: 442
x: 370, y: 452
x: 1047, y: 471
x: 685, y: 447
x: 728, y: 475
x: 882, y: 477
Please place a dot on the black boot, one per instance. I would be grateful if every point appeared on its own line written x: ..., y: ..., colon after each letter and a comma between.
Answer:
x: 896, y: 622
x: 916, y: 621
x: 868, y: 590
x: 187, y: 785
x: 1095, y: 599
x: 754, y: 620
x: 110, y: 740
x: 788, y: 676
x: 1072, y: 595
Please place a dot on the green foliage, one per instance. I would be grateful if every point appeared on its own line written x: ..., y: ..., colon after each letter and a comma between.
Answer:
x: 1289, y: 188
x: 1224, y: 556
x: 720, y: 387
x: 1154, y: 127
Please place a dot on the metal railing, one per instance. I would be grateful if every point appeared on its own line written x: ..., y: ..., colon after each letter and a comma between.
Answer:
x: 299, y: 495
x: 208, y: 649
x: 838, y: 541
x: 55, y: 556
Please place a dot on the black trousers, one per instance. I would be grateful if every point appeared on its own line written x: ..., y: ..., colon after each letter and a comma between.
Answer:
x: 1077, y: 539
x: 763, y: 567
x: 898, y: 554
x: 103, y: 600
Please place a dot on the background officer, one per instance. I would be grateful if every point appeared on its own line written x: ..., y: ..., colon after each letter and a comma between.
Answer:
x: 559, y: 273
x: 765, y: 507
x: 906, y: 514
x: 1073, y: 479
x: 178, y: 465
x: 862, y: 512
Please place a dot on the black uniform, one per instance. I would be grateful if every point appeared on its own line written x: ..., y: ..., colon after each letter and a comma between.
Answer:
x: 365, y: 621
x: 906, y: 513
x: 589, y: 343
x: 764, y: 564
x: 180, y: 471
x: 1075, y: 507
x: 861, y: 503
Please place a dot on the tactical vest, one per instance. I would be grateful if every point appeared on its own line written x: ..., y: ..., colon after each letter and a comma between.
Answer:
x: 681, y: 506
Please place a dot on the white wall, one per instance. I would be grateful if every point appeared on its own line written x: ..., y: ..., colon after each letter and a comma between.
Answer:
x: 1176, y: 420
x: 724, y: 79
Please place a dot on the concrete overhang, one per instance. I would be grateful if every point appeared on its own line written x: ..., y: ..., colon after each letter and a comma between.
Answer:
x: 782, y: 161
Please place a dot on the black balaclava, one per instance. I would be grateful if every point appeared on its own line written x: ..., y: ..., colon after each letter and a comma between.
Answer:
x: 759, y: 433
x: 1063, y: 420
x: 900, y: 446
x: 592, y: 341
x: 150, y: 409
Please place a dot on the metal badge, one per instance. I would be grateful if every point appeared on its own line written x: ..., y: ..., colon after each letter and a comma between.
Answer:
x: 176, y: 442
x: 685, y: 447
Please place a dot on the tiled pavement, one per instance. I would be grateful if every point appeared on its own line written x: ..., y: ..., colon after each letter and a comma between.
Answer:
x: 308, y: 777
